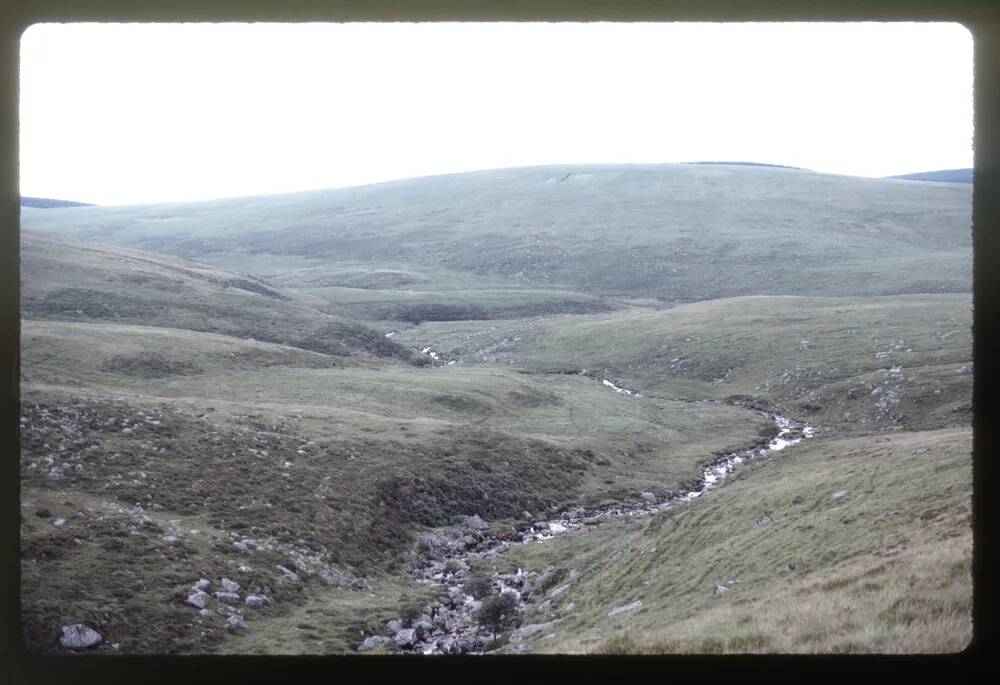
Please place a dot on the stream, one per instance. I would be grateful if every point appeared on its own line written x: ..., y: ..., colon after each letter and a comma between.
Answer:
x: 448, y: 625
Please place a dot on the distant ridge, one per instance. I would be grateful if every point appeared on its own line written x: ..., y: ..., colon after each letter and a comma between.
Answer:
x: 779, y: 166
x: 941, y: 175
x: 48, y: 203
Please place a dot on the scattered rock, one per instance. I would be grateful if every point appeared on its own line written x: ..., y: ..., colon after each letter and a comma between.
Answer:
x: 839, y: 494
x: 558, y: 591
x: 205, y: 612
x: 287, y: 573
x: 556, y: 527
x: 256, y: 600
x: 372, y: 642
x: 719, y: 589
x: 236, y: 623
x: 202, y: 584
x: 227, y: 597
x: 395, y: 625
x: 198, y: 599
x: 405, y: 637
x: 474, y: 522
x: 574, y: 574
x: 648, y: 497
x: 59, y: 523
x: 230, y: 585
x: 963, y: 371
x: 791, y: 566
x: 424, y: 626
x: 43, y: 513
x: 79, y: 636
x: 763, y: 521
x: 531, y: 629
x: 625, y: 609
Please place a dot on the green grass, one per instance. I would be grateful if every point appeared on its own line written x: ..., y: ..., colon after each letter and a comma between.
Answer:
x: 277, y: 409
x: 884, y: 568
x: 672, y: 232
x: 817, y: 358
x: 65, y: 279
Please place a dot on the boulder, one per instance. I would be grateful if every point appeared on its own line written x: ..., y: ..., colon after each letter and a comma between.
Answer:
x: 405, y: 637
x: 256, y: 600
x: 648, y: 497
x: 202, y: 584
x: 227, y: 597
x: 763, y: 521
x: 198, y: 599
x: 839, y: 494
x: 236, y: 623
x: 287, y: 573
x: 625, y: 609
x: 474, y: 522
x: 372, y: 642
x: 531, y: 629
x: 79, y: 636
x: 424, y: 626
x: 395, y: 625
x: 230, y: 585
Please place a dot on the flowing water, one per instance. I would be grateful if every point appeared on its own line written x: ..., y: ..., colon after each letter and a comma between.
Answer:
x: 450, y: 626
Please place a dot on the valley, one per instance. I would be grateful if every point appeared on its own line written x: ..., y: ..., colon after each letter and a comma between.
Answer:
x: 354, y: 420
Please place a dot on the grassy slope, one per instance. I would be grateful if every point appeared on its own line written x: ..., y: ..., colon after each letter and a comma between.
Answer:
x: 886, y: 567
x: 64, y: 279
x: 337, y: 457
x: 817, y: 358
x: 675, y: 232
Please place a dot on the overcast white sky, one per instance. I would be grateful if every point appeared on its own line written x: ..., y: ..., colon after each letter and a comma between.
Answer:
x: 129, y: 113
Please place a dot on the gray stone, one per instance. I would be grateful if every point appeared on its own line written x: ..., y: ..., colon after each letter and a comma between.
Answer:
x: 839, y: 494
x: 963, y: 371
x: 227, y: 597
x: 573, y: 574
x: 791, y: 566
x: 287, y: 573
x: 236, y: 622
x: 531, y: 629
x: 558, y: 591
x: 372, y: 642
x: 424, y: 626
x: 405, y: 637
x: 624, y: 609
x: 79, y: 636
x: 256, y: 600
x: 59, y: 523
x: 198, y: 599
x: 230, y: 585
x: 202, y: 584
x: 764, y: 521
x: 205, y: 612
x: 395, y: 625
x: 648, y: 497
x: 474, y: 522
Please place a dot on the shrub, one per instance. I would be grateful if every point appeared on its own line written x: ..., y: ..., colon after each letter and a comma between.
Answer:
x: 478, y: 585
x: 498, y: 612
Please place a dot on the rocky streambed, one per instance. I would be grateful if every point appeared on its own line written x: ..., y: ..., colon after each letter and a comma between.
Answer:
x: 449, y: 624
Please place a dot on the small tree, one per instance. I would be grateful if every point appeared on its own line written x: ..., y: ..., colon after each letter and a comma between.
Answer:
x: 478, y: 585
x: 498, y: 612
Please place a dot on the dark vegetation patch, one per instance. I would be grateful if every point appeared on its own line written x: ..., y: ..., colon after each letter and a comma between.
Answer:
x: 149, y: 365
x: 462, y: 403
x: 492, y: 474
x: 532, y: 398
x: 418, y: 313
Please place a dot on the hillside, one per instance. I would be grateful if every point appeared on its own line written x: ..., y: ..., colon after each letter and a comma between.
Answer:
x: 641, y: 409
x: 940, y: 176
x: 677, y: 232
x: 49, y: 203
x: 65, y: 279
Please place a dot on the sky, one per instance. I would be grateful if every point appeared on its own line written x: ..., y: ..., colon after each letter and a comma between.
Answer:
x: 138, y: 113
